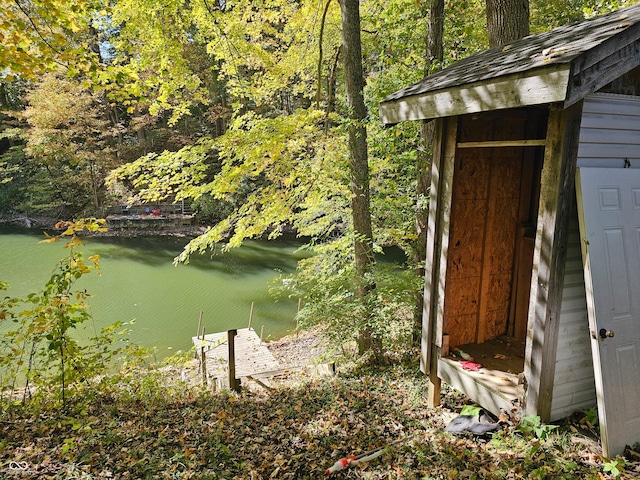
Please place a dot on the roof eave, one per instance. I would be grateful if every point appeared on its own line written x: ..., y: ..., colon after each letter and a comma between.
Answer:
x: 534, y: 87
x: 603, y: 67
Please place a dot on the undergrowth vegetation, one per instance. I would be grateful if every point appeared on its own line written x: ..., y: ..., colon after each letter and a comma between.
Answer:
x: 39, y: 345
x: 151, y: 424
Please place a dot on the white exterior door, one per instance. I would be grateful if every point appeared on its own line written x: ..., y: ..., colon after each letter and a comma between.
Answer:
x: 609, y: 213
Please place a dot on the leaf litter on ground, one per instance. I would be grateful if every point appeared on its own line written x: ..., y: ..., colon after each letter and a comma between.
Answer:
x: 150, y: 425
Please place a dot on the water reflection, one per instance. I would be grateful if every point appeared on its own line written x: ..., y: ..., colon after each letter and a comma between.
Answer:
x: 139, y: 281
x: 253, y: 257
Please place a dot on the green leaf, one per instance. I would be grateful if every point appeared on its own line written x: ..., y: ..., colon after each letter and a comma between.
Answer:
x: 471, y: 410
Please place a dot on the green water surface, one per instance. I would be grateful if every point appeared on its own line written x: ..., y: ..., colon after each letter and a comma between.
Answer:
x: 139, y: 282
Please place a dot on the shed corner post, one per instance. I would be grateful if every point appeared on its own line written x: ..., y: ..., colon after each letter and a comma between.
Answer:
x: 445, y: 132
x: 557, y: 188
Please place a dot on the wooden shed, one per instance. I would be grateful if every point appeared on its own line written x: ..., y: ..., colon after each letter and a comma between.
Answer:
x: 533, y: 253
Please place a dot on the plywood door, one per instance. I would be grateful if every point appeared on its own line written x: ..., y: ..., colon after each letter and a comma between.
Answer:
x: 609, y: 213
x: 482, y: 243
x: 494, y: 197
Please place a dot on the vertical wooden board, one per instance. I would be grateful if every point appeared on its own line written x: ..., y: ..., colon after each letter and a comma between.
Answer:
x: 468, y: 218
x: 489, y: 261
x: 498, y: 302
x: 465, y: 245
x: 523, y: 284
x: 461, y: 309
x: 430, y: 319
x: 523, y: 260
x: 471, y: 179
x: 466, y: 300
x: 496, y: 321
x: 507, y: 172
x: 466, y: 242
x: 444, y: 216
x: 557, y: 185
x: 460, y: 326
x: 437, y: 250
x: 499, y: 291
x: 445, y: 133
x: 501, y: 238
x: 507, y: 179
x: 500, y: 241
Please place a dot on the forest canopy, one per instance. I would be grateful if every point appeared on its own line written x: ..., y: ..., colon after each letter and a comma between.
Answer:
x: 247, y: 111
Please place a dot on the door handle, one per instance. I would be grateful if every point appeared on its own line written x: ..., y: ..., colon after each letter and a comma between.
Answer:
x: 604, y: 333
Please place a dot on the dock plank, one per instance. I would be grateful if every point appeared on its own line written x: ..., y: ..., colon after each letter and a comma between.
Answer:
x: 252, y: 356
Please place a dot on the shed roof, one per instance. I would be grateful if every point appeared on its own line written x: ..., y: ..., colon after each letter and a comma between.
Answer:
x: 561, y: 65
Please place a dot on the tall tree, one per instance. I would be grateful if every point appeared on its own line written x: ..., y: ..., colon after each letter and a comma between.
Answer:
x: 358, y: 156
x: 68, y: 142
x: 507, y: 20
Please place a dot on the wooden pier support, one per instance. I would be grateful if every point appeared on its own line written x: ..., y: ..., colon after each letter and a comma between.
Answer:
x: 234, y: 383
x: 251, y: 316
x: 203, y: 360
x: 243, y: 355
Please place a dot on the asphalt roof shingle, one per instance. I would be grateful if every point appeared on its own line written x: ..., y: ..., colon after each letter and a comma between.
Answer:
x: 562, y: 45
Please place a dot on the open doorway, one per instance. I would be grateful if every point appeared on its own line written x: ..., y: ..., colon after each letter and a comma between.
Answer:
x: 494, y: 212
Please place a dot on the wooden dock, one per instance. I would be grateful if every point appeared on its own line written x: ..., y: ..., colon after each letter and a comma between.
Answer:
x: 251, y: 355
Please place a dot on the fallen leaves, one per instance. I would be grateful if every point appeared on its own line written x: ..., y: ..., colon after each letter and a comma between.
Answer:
x: 141, y: 426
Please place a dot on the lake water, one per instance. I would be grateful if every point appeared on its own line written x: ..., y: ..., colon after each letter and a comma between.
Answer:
x: 139, y: 282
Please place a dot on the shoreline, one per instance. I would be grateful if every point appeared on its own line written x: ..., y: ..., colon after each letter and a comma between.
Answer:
x: 49, y: 224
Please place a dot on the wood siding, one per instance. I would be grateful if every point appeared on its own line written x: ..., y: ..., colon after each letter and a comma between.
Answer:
x: 557, y: 191
x: 574, y: 386
x: 610, y: 131
x: 509, y: 91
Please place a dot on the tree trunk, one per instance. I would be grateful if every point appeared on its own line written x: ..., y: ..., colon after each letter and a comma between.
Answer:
x: 435, y: 52
x: 331, y: 89
x: 434, y: 55
x: 507, y: 20
x: 4, y: 99
x: 94, y: 185
x: 359, y: 164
